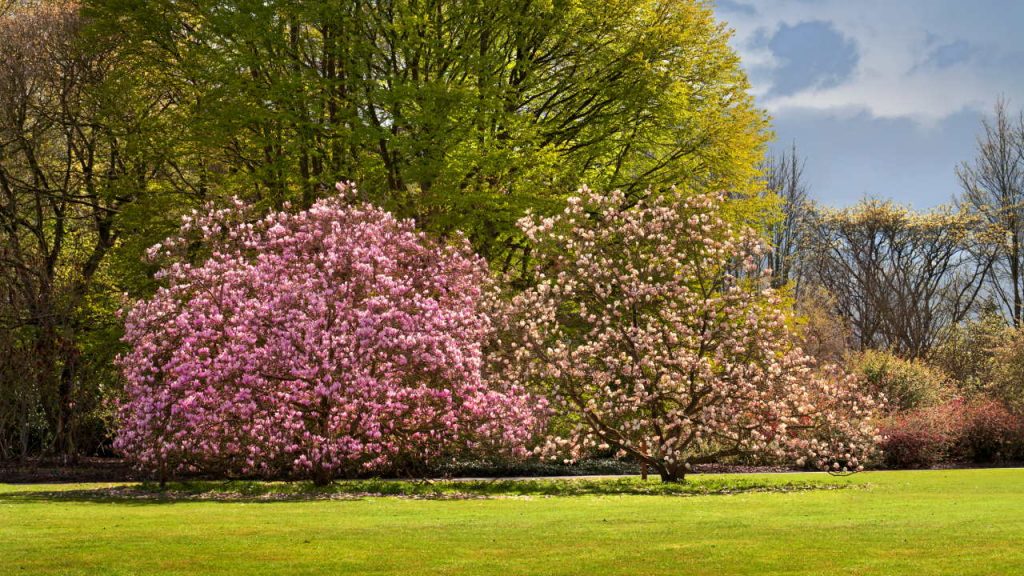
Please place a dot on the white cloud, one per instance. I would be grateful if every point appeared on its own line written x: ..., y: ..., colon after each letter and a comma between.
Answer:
x: 895, y: 42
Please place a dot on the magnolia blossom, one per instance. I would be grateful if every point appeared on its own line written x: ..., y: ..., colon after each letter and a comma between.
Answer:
x: 650, y: 325
x: 335, y: 341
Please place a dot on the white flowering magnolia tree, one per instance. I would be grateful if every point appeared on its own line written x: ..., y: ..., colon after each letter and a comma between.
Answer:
x: 649, y: 324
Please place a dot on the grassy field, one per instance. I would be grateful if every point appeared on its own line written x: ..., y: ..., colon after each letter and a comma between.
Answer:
x: 929, y: 522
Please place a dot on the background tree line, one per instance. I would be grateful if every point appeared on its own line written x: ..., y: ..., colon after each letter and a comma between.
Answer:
x: 901, y: 279
x: 119, y: 116
x: 924, y: 305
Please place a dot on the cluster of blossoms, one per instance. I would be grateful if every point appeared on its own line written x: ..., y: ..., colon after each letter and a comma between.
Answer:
x: 649, y: 324
x: 335, y: 341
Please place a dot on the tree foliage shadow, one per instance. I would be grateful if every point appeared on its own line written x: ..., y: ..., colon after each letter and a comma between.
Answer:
x: 234, y: 491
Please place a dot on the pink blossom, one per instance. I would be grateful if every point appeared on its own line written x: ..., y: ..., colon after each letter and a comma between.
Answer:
x: 645, y: 326
x: 335, y: 341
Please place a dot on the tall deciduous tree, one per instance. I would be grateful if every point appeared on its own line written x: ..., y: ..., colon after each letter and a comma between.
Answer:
x: 784, y: 178
x: 459, y: 113
x: 74, y: 159
x: 993, y: 189
x: 901, y: 279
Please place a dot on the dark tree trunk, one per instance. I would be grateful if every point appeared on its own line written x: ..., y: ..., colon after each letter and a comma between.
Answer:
x: 670, y: 472
x: 25, y: 407
x: 321, y: 476
x: 64, y: 442
x: 672, y: 475
x: 1015, y: 279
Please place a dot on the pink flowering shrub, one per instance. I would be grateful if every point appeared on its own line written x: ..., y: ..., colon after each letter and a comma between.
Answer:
x: 980, y: 430
x: 332, y: 342
x: 650, y: 327
x: 921, y: 437
x: 989, y: 432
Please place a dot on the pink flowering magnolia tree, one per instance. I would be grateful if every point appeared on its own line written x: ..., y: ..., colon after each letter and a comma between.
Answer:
x: 650, y: 327
x: 332, y: 342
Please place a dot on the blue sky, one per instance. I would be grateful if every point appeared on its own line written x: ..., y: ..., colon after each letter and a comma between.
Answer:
x: 883, y: 98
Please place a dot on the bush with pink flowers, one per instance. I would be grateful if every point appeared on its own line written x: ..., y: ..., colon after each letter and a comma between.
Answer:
x: 988, y: 433
x: 335, y: 341
x: 980, y: 431
x: 650, y: 331
x: 920, y: 438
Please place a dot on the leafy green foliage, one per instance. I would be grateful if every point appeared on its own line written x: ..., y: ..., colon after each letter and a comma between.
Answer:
x: 967, y: 353
x: 79, y: 162
x: 906, y: 384
x: 461, y: 114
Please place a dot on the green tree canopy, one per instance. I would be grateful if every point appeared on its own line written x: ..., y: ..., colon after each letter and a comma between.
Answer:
x: 461, y: 114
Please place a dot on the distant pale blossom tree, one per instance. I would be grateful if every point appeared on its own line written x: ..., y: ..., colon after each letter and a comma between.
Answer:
x: 332, y: 342
x: 637, y: 329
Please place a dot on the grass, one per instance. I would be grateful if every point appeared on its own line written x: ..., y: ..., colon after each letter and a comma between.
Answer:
x: 920, y: 523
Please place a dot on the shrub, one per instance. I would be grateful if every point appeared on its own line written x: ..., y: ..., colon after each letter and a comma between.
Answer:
x: 335, y: 341
x: 981, y: 431
x: 919, y: 438
x: 648, y: 324
x: 988, y: 433
x: 906, y: 384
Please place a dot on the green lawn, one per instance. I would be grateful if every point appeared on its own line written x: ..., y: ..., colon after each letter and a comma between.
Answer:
x: 919, y: 523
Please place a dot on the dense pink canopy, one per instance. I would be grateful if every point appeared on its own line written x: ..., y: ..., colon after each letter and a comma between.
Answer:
x: 334, y: 341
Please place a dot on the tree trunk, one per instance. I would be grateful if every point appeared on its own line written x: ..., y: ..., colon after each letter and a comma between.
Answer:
x: 671, y: 472
x: 321, y: 476
x: 643, y: 463
x: 64, y: 442
x: 673, y: 476
x: 1015, y: 280
x: 25, y: 407
x: 46, y: 382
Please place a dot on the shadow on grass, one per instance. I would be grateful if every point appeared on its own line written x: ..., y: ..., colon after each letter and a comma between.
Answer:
x: 255, y: 491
